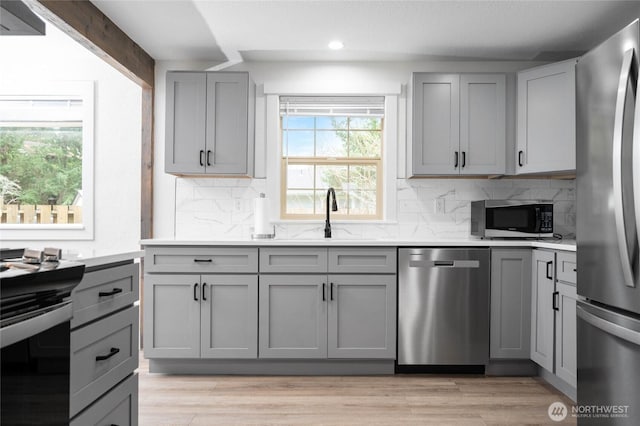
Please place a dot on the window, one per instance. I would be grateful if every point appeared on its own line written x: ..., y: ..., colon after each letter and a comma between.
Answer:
x: 331, y: 142
x: 45, y: 153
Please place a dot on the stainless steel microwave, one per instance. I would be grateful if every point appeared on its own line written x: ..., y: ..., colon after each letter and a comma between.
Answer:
x: 512, y: 219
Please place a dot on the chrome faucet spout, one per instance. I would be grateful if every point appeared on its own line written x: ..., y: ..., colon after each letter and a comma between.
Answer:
x: 334, y: 207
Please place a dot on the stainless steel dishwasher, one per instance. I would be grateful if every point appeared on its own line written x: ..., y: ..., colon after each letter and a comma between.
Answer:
x: 443, y: 307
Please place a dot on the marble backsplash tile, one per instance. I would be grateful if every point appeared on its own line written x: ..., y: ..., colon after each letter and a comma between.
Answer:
x: 219, y: 209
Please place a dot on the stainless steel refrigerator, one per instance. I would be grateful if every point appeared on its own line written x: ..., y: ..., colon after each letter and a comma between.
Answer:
x: 608, y: 199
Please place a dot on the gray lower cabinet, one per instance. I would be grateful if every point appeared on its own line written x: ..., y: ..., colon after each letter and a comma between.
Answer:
x: 362, y: 316
x: 542, y: 318
x: 510, y: 303
x: 566, y: 333
x: 293, y: 316
x: 334, y: 316
x: 200, y: 316
x: 104, y: 346
x: 210, y: 120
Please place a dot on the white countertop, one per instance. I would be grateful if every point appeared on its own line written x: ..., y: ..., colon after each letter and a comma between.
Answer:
x: 569, y: 245
x: 92, y: 258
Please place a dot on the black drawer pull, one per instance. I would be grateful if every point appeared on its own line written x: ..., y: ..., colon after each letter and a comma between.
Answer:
x: 203, y: 260
x: 554, y: 301
x: 208, y: 158
x: 455, y: 160
x: 201, y: 154
x: 331, y: 292
x: 520, y: 163
x: 575, y: 270
x: 195, y: 292
x: 204, y: 286
x: 111, y: 353
x: 464, y: 159
x: 110, y: 293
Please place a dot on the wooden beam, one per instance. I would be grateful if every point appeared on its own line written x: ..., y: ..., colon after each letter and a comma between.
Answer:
x: 86, y: 24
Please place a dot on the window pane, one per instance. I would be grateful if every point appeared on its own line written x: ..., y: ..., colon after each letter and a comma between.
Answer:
x: 365, y: 123
x: 300, y: 201
x: 321, y: 202
x: 365, y: 144
x: 297, y: 143
x: 331, y: 122
x: 331, y: 143
x: 297, y: 122
x: 300, y: 176
x: 331, y: 176
x: 362, y: 177
x: 362, y: 202
x: 41, y: 167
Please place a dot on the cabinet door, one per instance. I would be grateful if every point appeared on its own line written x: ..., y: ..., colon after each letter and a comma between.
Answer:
x: 436, y: 124
x: 227, y: 123
x: 229, y: 321
x: 546, y: 132
x: 482, y: 124
x: 542, y: 318
x: 362, y: 316
x: 566, y: 343
x: 172, y: 316
x: 293, y: 316
x: 510, y: 303
x: 185, y: 122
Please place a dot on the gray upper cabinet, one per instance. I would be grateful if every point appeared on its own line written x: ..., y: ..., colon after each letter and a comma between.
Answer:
x: 209, y: 123
x: 361, y: 316
x: 510, y: 303
x: 546, y: 127
x: 293, y: 316
x: 542, y: 312
x: 458, y: 124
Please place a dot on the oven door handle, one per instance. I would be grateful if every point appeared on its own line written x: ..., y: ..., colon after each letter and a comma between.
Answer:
x: 45, y: 319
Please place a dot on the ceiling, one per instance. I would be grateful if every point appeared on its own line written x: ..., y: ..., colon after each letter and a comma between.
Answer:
x: 225, y: 31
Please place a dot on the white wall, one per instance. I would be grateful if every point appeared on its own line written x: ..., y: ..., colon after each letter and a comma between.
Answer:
x: 117, y: 141
x: 219, y: 208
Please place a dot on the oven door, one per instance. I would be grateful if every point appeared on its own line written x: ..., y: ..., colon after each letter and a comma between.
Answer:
x: 35, y: 368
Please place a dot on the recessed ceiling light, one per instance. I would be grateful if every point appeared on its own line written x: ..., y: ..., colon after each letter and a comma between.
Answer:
x: 336, y: 45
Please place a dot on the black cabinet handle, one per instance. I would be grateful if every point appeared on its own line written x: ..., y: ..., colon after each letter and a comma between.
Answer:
x: 203, y: 260
x: 324, y: 297
x: 204, y: 298
x: 464, y: 159
x: 555, y: 301
x: 331, y: 292
x: 549, y: 274
x: 111, y: 353
x: 208, y: 157
x: 195, y: 292
x: 201, y: 156
x: 520, y: 153
x: 575, y: 270
x: 455, y: 160
x: 109, y: 293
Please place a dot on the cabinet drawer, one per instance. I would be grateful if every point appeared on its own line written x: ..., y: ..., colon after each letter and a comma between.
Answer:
x: 367, y: 260
x: 566, y: 268
x: 103, y: 292
x: 293, y: 259
x: 201, y: 259
x: 119, y: 407
x: 102, y: 354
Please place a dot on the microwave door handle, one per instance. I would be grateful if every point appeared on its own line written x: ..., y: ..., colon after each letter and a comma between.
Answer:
x: 625, y: 74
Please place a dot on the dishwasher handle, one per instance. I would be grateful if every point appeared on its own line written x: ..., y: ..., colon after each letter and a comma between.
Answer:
x: 453, y: 264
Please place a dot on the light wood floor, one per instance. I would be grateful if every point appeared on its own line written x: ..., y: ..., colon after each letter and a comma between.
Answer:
x: 343, y: 400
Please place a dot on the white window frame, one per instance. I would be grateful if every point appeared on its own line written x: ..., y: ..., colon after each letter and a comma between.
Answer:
x: 80, y: 90
x: 390, y: 147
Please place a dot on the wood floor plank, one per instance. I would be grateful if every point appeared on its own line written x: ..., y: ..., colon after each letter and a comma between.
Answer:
x: 343, y: 400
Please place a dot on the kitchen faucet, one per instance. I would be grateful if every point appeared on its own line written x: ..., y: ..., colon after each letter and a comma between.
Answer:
x: 334, y: 207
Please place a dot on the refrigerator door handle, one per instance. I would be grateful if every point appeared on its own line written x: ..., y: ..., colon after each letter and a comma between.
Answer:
x: 625, y: 74
x: 609, y: 327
